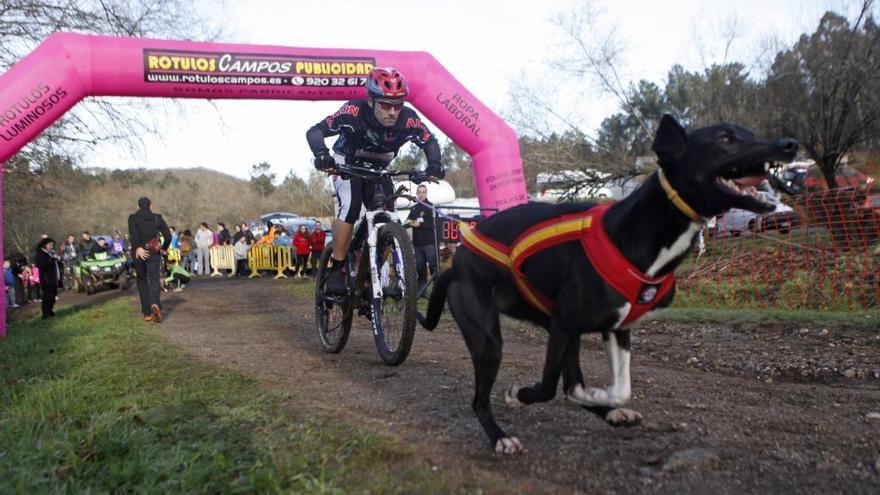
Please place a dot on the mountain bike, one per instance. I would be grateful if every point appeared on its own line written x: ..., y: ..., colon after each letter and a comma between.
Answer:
x: 380, y: 276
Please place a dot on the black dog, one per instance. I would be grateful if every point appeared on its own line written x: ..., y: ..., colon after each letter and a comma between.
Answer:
x: 560, y: 287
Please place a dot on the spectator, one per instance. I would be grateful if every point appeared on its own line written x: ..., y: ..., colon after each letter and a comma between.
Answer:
x: 317, y: 240
x: 237, y: 235
x: 302, y: 249
x: 421, y: 218
x: 247, y: 233
x: 204, y: 240
x: 19, y: 265
x: 223, y: 238
x: 186, y: 249
x: 101, y: 247
x: 32, y: 276
x: 117, y: 245
x: 177, y: 277
x: 282, y: 239
x: 86, y: 246
x: 69, y: 253
x: 271, y: 233
x: 46, y: 263
x: 175, y: 237
x: 9, y: 281
x: 241, y: 248
x: 49, y: 274
x: 144, y: 227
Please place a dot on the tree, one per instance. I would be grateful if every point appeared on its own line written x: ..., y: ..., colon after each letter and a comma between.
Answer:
x: 262, y: 179
x: 26, y: 23
x: 459, y: 170
x: 825, y: 90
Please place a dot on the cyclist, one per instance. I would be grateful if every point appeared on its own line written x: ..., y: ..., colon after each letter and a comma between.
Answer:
x: 373, y: 130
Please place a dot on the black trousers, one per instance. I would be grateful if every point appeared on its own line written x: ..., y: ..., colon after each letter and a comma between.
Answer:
x: 425, y: 256
x: 48, y: 303
x: 241, y: 268
x: 148, y: 281
x: 314, y: 261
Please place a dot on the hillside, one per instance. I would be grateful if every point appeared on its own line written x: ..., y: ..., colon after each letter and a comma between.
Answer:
x: 60, y: 199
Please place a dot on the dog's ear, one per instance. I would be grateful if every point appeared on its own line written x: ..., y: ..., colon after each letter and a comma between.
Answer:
x: 671, y: 139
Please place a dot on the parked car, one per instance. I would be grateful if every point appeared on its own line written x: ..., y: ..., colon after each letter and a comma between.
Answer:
x: 290, y: 222
x: 735, y: 222
x: 806, y: 176
x: 845, y: 176
x: 868, y: 215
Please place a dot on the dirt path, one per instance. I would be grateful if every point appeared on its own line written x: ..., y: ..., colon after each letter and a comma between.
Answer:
x: 764, y: 409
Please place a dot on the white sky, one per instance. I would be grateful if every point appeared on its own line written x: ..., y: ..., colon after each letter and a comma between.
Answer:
x: 484, y: 44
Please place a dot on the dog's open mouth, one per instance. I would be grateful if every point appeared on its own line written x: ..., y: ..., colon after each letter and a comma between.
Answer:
x: 743, y: 180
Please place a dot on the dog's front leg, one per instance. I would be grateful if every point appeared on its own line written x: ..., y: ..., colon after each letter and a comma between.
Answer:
x: 606, y: 402
x: 558, y: 344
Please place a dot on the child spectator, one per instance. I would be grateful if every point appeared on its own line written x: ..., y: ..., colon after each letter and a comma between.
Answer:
x: 32, y: 275
x: 241, y: 248
x: 9, y: 281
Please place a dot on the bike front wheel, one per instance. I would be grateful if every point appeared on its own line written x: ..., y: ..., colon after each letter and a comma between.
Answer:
x: 333, y: 314
x: 394, y: 314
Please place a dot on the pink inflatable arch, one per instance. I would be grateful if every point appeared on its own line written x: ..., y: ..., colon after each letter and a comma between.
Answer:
x: 68, y: 67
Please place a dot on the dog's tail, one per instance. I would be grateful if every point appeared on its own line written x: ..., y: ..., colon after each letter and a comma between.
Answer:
x: 437, y: 301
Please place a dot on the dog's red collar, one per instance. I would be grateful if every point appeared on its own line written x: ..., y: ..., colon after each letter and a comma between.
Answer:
x: 642, y: 292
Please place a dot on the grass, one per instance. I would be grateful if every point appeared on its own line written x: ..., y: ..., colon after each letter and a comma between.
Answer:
x: 96, y: 401
x: 869, y: 320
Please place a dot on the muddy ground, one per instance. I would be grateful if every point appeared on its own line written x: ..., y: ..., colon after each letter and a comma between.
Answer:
x: 763, y: 408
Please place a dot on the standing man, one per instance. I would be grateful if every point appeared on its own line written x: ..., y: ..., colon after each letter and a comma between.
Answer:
x: 421, y: 218
x: 50, y: 274
x: 372, y: 129
x: 144, y: 228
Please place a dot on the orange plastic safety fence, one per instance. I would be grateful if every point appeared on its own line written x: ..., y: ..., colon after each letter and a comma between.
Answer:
x: 816, y: 251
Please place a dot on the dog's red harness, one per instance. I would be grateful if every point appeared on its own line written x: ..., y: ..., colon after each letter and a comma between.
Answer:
x: 641, y: 291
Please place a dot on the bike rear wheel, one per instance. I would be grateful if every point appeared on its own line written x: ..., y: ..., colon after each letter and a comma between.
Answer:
x: 333, y: 314
x: 394, y: 315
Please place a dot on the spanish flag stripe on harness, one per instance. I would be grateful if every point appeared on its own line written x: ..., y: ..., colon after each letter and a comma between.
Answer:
x: 642, y: 292
x: 534, y: 239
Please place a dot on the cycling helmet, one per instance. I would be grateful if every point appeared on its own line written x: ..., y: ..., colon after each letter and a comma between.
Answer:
x: 385, y: 82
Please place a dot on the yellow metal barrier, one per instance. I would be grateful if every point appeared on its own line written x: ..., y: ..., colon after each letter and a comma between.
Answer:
x: 222, y: 258
x: 284, y: 260
x: 269, y: 258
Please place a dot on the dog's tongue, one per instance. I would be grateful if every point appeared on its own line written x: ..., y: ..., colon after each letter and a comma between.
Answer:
x: 750, y: 181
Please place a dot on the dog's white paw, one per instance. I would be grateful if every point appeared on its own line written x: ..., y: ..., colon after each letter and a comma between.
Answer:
x: 510, y: 397
x: 509, y: 445
x: 592, y: 396
x: 623, y: 417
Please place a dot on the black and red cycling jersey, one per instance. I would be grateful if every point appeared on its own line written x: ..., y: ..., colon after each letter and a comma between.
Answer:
x: 361, y: 135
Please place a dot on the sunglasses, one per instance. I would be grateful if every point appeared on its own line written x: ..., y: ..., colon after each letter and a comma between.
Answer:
x: 388, y: 106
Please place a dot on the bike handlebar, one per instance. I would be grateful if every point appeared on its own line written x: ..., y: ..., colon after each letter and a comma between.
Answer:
x: 366, y: 172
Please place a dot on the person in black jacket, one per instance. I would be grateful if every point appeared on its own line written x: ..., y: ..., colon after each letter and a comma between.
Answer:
x: 421, y: 218
x: 144, y: 228
x: 50, y: 274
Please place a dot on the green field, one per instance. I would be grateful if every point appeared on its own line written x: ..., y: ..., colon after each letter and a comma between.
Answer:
x: 97, y: 401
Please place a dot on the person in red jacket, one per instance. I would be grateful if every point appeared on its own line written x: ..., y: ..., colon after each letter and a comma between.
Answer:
x: 317, y: 240
x: 302, y: 250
